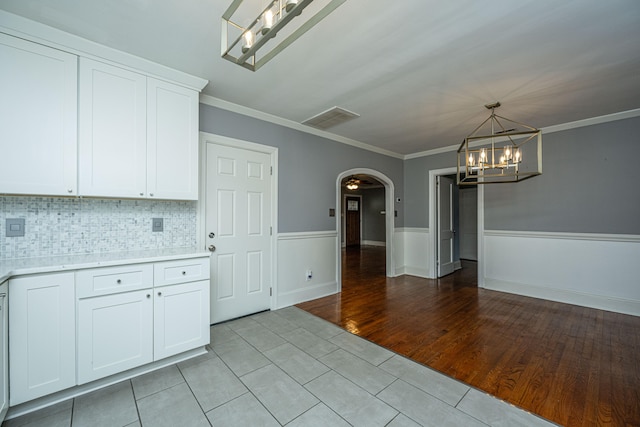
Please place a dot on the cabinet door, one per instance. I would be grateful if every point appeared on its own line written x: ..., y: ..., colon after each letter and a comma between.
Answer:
x: 42, y: 335
x: 172, y: 141
x: 112, y: 139
x: 181, y: 318
x: 4, y: 354
x: 38, y: 119
x: 115, y: 333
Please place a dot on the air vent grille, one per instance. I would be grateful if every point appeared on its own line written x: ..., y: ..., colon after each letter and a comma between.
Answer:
x: 332, y: 117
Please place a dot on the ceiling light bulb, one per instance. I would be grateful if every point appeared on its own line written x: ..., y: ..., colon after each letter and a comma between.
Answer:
x: 290, y: 5
x: 471, y: 160
x: 247, y: 41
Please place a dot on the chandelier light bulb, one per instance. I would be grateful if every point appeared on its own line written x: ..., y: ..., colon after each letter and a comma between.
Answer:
x: 267, y: 22
x: 290, y: 5
x: 247, y: 41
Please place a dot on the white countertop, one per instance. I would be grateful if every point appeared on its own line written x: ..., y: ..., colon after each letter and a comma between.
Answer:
x: 18, y: 267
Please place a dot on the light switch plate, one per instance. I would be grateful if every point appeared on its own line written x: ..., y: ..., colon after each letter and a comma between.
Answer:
x: 157, y: 224
x: 15, y: 227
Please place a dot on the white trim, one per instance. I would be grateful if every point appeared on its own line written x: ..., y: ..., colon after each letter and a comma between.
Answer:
x: 307, y: 235
x: 629, y: 238
x: 287, y: 299
x: 412, y: 230
x: 256, y: 114
x: 618, y: 305
x: 27, y: 29
x: 201, y: 237
x: 373, y: 243
x: 389, y: 197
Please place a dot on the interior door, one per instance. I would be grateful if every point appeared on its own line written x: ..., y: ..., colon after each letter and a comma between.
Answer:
x: 238, y: 225
x: 445, y: 225
x: 352, y: 221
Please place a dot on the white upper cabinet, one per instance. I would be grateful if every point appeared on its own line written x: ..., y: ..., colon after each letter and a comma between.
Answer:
x: 172, y: 141
x: 38, y: 119
x: 113, y: 131
x: 138, y: 135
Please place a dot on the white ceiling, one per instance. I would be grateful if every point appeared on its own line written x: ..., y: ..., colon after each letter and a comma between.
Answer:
x: 417, y: 71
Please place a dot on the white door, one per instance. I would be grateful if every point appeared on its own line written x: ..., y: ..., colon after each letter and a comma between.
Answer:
x: 115, y: 333
x: 445, y: 225
x: 238, y: 216
x: 181, y: 318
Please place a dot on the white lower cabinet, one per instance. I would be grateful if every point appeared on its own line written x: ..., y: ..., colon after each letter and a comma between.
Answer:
x: 42, y: 335
x: 115, y: 333
x: 181, y: 318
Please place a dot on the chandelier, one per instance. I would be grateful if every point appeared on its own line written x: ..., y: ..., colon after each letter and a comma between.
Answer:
x: 499, y: 150
x: 248, y: 27
x: 352, y: 183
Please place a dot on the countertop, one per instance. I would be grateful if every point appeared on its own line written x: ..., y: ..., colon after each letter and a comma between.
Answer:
x: 18, y: 267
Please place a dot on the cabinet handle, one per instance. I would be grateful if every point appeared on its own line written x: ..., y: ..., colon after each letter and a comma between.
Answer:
x: 159, y: 294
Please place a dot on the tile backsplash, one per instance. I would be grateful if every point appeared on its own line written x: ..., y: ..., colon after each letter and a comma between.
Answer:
x: 65, y: 226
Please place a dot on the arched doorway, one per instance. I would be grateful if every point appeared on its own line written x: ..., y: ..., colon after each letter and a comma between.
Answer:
x: 388, y: 221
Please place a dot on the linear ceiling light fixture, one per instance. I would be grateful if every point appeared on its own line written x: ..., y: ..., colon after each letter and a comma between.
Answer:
x: 248, y: 27
x: 499, y: 150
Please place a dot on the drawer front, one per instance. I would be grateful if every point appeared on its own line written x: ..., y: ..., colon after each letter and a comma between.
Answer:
x: 112, y: 280
x: 181, y: 271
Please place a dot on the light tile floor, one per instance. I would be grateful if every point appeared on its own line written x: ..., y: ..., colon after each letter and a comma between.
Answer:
x: 285, y: 367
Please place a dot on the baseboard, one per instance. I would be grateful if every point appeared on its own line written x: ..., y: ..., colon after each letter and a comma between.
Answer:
x: 413, y: 271
x: 457, y: 265
x: 617, y: 305
x: 373, y: 243
x: 307, y: 294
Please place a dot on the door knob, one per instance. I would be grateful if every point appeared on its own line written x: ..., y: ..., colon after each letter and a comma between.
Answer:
x: 212, y: 248
x: 212, y: 235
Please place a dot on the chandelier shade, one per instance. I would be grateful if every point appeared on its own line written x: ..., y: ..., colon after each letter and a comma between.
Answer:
x: 249, y: 27
x: 499, y: 150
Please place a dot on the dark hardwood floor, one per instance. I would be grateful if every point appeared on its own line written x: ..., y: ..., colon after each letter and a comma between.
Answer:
x: 572, y: 365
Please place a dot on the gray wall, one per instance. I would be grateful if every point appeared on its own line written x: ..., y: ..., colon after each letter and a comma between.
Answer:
x: 308, y: 167
x: 589, y: 184
x: 373, y: 227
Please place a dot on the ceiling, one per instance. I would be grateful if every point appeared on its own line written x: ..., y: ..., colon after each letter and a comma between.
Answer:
x: 417, y: 71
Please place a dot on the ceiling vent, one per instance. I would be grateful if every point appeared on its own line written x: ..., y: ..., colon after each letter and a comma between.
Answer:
x: 332, y: 117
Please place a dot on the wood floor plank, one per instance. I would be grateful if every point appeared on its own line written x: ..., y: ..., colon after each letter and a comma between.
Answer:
x: 573, y: 365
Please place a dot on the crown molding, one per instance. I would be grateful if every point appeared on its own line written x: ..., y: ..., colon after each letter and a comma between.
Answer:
x: 256, y: 114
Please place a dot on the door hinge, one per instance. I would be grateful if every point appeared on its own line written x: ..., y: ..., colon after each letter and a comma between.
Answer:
x: 270, y: 292
x: 270, y: 231
x: 271, y: 170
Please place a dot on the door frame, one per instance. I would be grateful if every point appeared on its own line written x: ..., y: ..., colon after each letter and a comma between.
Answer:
x: 433, y: 231
x: 344, y: 217
x: 201, y: 241
x: 389, y: 194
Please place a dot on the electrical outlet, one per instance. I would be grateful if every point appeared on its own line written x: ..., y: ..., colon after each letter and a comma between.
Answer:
x: 309, y: 275
x: 157, y: 224
x: 15, y: 227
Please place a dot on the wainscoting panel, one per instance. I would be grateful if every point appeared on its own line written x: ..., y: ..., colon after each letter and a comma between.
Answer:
x: 592, y: 270
x: 412, y: 251
x: 298, y: 253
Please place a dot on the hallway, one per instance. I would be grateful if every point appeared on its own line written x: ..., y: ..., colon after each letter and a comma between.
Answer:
x: 573, y: 365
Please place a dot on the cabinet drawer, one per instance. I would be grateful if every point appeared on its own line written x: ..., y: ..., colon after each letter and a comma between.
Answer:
x: 111, y: 280
x: 181, y: 271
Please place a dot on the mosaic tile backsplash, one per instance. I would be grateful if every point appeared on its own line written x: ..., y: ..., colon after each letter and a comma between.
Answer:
x: 66, y: 226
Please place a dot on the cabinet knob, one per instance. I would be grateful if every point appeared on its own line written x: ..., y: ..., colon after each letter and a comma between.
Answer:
x: 148, y: 295
x: 184, y: 273
x: 212, y: 248
x: 118, y: 281
x: 159, y: 294
x: 150, y: 194
x: 70, y: 190
x: 212, y: 235
x: 142, y: 194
